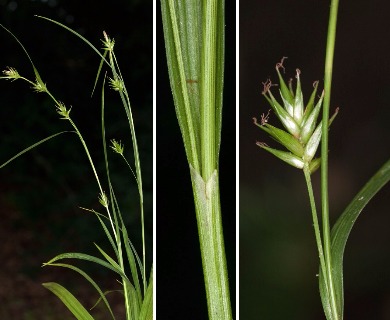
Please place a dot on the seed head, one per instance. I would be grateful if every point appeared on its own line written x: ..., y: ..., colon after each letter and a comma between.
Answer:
x: 39, y: 86
x: 116, y: 84
x: 302, y: 134
x: 103, y: 199
x: 108, y: 44
x: 117, y: 146
x: 63, y: 111
x: 11, y: 74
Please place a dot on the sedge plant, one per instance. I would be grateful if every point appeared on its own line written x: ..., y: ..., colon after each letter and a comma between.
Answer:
x: 194, y: 42
x: 301, y: 136
x: 127, y: 266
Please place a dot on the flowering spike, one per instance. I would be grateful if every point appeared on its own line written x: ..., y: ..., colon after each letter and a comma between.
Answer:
x: 103, y: 199
x: 11, y: 74
x: 63, y: 111
x: 302, y: 136
x: 39, y: 85
x: 116, y: 84
x: 117, y: 146
x: 108, y: 44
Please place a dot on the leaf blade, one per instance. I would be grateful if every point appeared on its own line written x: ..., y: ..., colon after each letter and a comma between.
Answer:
x: 343, y: 226
x: 146, y: 312
x: 69, y: 300
x: 86, y: 257
x: 32, y: 147
x: 90, y: 280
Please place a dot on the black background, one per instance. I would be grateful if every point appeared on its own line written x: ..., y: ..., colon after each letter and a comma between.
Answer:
x: 278, y: 258
x: 40, y: 193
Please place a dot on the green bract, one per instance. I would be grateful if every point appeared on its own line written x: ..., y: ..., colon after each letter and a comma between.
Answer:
x: 302, y: 134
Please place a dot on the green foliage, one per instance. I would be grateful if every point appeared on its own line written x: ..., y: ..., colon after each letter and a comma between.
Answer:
x: 69, y: 300
x: 137, y: 298
x: 343, y: 226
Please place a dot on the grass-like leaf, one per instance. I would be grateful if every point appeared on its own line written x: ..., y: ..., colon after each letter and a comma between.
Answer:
x: 69, y: 300
x: 77, y: 35
x: 108, y: 258
x: 32, y: 147
x: 86, y: 257
x: 104, y: 227
x: 132, y: 264
x: 343, y: 227
x: 131, y: 302
x: 147, y: 305
x: 176, y: 44
x: 89, y: 279
x: 37, y: 75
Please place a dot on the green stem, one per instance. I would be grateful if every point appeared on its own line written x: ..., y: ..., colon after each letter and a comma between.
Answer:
x: 126, y: 103
x: 194, y: 35
x: 207, y: 200
x: 208, y: 216
x: 324, y: 157
x: 316, y: 225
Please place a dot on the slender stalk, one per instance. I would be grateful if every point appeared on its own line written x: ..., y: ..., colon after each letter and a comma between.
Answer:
x: 209, y: 211
x: 324, y: 156
x: 208, y: 215
x: 316, y: 225
x: 126, y: 103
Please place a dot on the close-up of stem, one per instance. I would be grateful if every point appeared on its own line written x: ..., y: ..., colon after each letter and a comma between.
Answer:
x: 335, y: 310
x: 194, y: 41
